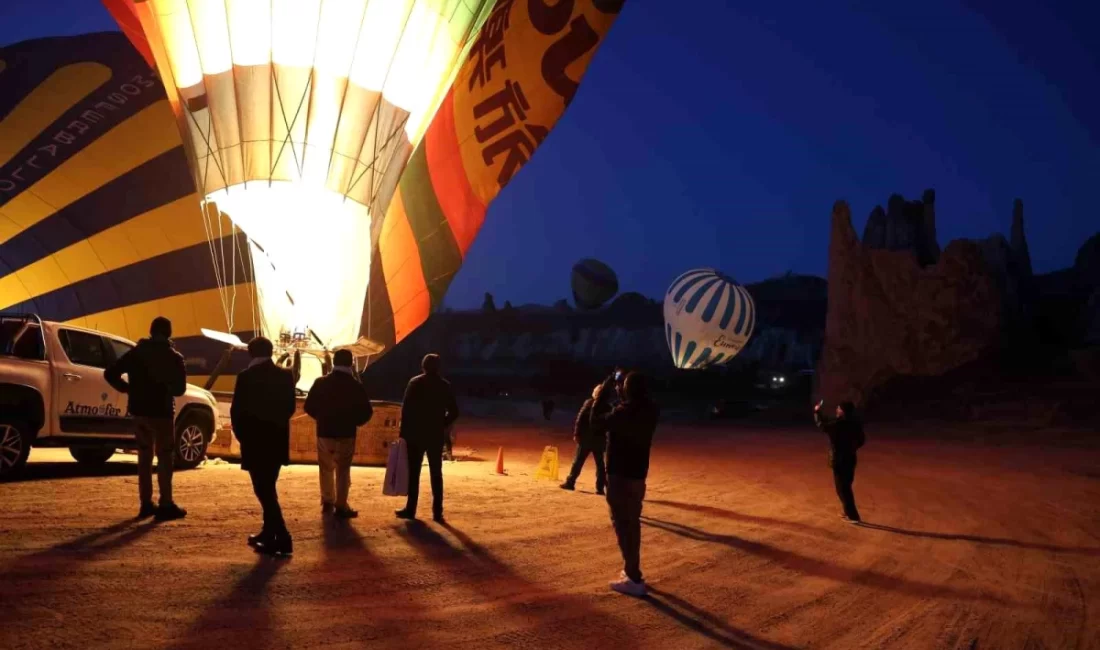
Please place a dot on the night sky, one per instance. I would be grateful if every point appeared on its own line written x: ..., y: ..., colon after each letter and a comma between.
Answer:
x: 721, y: 137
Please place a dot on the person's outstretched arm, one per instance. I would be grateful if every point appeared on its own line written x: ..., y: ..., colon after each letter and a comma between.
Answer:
x: 179, y: 376
x: 452, y: 407
x: 366, y: 410
x: 113, y: 374
x: 405, y: 409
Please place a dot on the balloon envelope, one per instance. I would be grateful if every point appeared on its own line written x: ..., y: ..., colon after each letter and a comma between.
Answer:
x: 593, y: 283
x: 358, y: 144
x: 100, y: 224
x: 708, y: 319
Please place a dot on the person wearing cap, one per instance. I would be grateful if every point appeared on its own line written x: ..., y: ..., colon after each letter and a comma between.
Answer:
x: 264, y: 400
x: 428, y: 410
x: 156, y: 376
x: 845, y: 437
x: 340, y: 405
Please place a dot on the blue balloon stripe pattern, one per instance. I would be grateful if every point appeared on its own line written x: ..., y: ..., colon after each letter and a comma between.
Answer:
x: 708, y: 319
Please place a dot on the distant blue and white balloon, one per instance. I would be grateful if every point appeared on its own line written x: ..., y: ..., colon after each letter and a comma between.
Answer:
x: 708, y: 319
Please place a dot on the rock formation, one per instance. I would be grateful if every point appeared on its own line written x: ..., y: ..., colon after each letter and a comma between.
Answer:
x: 889, y: 315
x: 905, y: 226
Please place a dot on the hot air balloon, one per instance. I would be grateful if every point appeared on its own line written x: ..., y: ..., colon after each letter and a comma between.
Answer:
x: 358, y: 144
x: 708, y: 319
x: 593, y: 283
x: 100, y: 223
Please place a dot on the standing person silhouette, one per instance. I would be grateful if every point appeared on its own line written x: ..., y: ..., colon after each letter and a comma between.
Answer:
x: 156, y: 376
x: 340, y: 404
x: 428, y: 410
x: 630, y: 427
x: 845, y: 437
x: 264, y: 400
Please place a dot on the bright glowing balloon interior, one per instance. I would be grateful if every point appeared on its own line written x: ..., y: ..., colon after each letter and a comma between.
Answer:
x: 311, y: 256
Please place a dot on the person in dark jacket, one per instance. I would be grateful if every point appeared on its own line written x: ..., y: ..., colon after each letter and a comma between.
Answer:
x: 156, y: 376
x: 630, y: 426
x: 845, y: 437
x: 340, y: 404
x: 263, y: 403
x: 428, y: 410
x: 589, y: 441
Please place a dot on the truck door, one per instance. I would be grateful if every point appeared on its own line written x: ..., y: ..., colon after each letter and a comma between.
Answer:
x: 85, y: 405
x: 120, y: 400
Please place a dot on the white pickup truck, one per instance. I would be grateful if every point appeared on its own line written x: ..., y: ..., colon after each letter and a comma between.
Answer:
x: 53, y: 394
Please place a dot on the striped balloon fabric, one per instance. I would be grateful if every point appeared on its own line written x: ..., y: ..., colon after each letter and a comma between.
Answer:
x: 100, y: 224
x: 708, y: 319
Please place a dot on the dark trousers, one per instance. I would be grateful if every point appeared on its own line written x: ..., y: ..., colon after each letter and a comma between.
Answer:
x: 624, y: 499
x: 583, y: 449
x: 264, y: 478
x: 844, y: 473
x: 435, y: 468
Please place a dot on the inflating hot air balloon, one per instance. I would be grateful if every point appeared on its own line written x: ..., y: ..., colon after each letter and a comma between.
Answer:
x: 708, y: 319
x: 100, y: 224
x: 593, y: 283
x: 358, y: 144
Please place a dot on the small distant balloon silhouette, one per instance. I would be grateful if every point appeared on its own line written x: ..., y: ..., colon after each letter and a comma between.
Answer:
x: 593, y: 283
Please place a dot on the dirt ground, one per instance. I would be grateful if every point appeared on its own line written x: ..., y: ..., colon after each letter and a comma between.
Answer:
x: 966, y: 545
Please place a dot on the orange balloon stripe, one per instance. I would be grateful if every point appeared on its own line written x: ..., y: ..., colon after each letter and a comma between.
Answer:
x: 462, y: 208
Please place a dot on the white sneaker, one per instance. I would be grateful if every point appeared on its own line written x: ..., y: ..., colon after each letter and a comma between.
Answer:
x: 627, y: 586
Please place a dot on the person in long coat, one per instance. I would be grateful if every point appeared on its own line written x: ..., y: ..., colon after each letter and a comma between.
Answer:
x: 263, y: 403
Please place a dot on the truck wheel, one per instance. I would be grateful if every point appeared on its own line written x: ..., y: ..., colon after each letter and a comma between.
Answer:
x: 92, y: 456
x: 15, y: 446
x: 193, y: 433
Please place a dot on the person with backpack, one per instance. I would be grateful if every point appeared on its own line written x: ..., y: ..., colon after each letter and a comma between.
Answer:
x: 589, y: 441
x: 845, y: 437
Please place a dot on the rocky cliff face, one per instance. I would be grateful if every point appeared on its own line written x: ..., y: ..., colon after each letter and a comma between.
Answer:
x: 889, y: 314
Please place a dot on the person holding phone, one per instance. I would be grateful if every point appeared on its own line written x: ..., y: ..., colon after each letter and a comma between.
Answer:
x: 629, y: 426
x: 845, y: 437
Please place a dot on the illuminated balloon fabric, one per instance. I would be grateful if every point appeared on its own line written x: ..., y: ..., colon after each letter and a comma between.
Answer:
x: 708, y: 319
x: 99, y: 221
x: 467, y: 141
x: 593, y: 283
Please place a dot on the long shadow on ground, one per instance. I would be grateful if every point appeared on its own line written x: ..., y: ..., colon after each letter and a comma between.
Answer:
x: 812, y: 566
x: 723, y: 513
x: 244, y: 607
x: 552, y: 618
x: 978, y: 539
x: 706, y: 624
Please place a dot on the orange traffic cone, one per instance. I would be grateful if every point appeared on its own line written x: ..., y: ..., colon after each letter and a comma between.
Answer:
x: 500, y: 461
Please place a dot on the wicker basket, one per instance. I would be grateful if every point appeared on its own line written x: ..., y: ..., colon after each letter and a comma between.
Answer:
x: 372, y: 443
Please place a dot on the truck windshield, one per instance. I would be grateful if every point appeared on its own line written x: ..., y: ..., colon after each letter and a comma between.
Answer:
x: 21, y: 339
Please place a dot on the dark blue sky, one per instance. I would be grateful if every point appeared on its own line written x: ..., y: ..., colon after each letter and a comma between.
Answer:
x: 721, y: 137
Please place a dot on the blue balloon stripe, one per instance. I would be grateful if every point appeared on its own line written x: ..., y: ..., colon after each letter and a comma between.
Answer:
x: 735, y: 300
x: 684, y: 276
x: 718, y: 357
x: 687, y: 354
x: 715, y: 300
x: 676, y: 351
x: 752, y: 312
x: 688, y: 285
x: 702, y: 358
x: 697, y: 297
x: 668, y: 336
x: 745, y: 306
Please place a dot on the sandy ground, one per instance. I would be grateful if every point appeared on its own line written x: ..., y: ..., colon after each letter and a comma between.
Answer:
x: 967, y: 546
